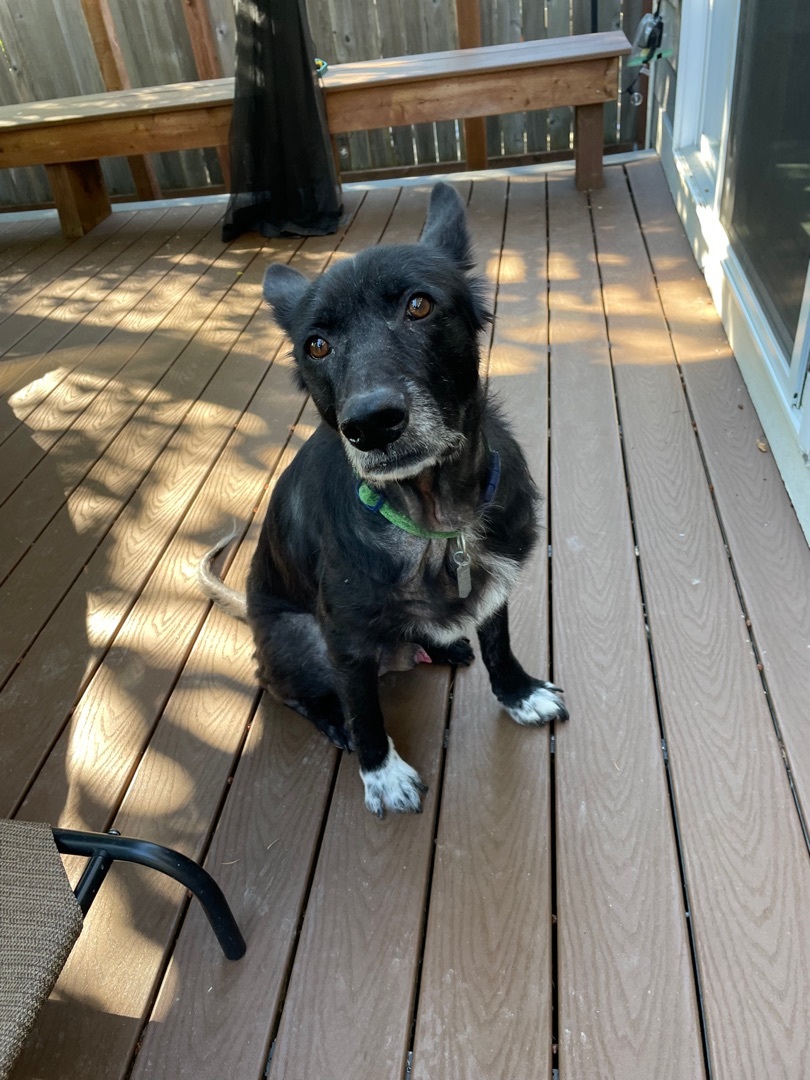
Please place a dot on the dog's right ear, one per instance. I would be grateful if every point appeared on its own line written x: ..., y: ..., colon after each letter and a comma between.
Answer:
x: 283, y: 289
x: 446, y: 226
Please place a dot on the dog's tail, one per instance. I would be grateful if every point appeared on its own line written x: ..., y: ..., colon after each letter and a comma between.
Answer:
x: 231, y: 601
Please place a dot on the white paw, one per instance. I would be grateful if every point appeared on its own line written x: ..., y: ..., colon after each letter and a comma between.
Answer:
x: 393, y: 786
x: 540, y: 706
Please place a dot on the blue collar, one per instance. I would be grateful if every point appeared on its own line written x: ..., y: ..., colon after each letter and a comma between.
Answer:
x: 488, y: 494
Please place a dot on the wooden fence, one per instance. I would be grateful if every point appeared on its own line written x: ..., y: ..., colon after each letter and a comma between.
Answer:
x: 63, y: 48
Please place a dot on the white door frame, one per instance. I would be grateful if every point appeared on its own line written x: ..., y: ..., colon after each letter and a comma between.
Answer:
x: 776, y: 382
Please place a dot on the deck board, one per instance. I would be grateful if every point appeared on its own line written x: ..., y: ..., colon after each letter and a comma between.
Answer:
x: 42, y: 245
x: 213, y: 1057
x: 35, y: 366
x: 485, y: 999
x: 263, y: 855
x: 102, y: 424
x: 766, y: 543
x: 68, y: 403
x: 18, y: 235
x: 153, y: 634
x: 22, y: 309
x: 533, y: 919
x: 744, y: 853
x: 629, y: 1006
x: 58, y: 275
x: 350, y: 999
x: 202, y: 723
x: 361, y: 937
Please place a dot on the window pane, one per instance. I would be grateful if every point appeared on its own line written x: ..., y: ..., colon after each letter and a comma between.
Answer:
x: 766, y: 190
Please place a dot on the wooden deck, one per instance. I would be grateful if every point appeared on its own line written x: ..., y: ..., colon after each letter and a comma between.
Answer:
x: 627, y: 896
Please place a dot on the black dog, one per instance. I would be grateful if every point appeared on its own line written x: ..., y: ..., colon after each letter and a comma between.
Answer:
x: 403, y: 521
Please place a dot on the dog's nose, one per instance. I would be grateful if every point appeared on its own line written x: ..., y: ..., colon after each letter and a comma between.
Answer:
x: 374, y: 420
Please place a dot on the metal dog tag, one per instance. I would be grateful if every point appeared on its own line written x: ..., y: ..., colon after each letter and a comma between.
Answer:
x: 462, y: 561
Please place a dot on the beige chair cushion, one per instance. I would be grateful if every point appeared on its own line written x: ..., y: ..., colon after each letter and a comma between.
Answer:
x: 40, y: 920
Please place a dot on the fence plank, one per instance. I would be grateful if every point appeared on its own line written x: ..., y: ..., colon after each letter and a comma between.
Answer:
x: 505, y: 25
x: 114, y: 73
x: 442, y: 33
x: 206, y: 60
x: 610, y: 18
x: 474, y: 129
x: 416, y: 42
x: 157, y: 50
x: 560, y: 121
x: 534, y: 29
x: 392, y: 39
x: 223, y: 23
x: 632, y: 118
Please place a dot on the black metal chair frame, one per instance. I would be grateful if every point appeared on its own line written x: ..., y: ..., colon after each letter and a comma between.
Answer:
x: 104, y: 848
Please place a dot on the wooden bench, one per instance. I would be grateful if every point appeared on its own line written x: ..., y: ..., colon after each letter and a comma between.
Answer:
x: 69, y: 135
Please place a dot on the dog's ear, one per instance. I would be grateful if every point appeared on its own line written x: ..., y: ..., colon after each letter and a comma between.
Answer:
x: 446, y: 226
x: 283, y: 289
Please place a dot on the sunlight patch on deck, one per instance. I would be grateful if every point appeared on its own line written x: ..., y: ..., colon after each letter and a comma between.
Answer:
x: 28, y: 397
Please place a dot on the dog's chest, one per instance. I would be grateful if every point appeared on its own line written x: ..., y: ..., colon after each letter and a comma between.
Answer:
x: 432, y: 605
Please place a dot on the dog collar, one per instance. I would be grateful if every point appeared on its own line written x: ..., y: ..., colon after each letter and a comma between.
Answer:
x: 378, y: 504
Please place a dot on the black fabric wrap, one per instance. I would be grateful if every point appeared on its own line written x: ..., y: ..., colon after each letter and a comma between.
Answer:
x: 283, y: 176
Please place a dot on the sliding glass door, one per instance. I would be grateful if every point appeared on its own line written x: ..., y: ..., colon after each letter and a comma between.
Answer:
x: 765, y: 199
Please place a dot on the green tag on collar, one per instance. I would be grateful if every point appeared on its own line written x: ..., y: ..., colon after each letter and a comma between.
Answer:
x: 379, y: 505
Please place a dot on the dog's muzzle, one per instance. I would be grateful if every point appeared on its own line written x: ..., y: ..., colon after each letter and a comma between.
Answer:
x: 374, y: 420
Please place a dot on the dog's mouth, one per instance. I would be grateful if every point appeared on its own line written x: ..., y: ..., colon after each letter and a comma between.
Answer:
x: 389, y: 464
x: 401, y: 461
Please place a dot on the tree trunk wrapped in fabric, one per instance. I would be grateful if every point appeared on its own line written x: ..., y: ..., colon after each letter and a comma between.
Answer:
x: 284, y: 180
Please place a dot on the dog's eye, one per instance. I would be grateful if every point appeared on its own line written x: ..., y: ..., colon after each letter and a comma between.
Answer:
x: 419, y: 306
x: 318, y: 347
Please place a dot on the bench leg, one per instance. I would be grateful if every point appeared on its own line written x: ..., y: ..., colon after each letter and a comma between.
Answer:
x: 588, y: 146
x: 80, y: 195
x: 475, y: 142
x: 145, y: 177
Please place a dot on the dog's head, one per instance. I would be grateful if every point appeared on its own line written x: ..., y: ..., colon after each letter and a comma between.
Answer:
x: 387, y: 344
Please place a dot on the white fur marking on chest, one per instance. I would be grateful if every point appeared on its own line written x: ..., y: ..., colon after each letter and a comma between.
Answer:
x: 481, y: 605
x: 394, y: 786
x: 503, y: 575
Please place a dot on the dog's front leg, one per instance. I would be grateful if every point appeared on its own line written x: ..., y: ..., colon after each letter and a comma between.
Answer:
x: 527, y: 700
x: 390, y: 783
